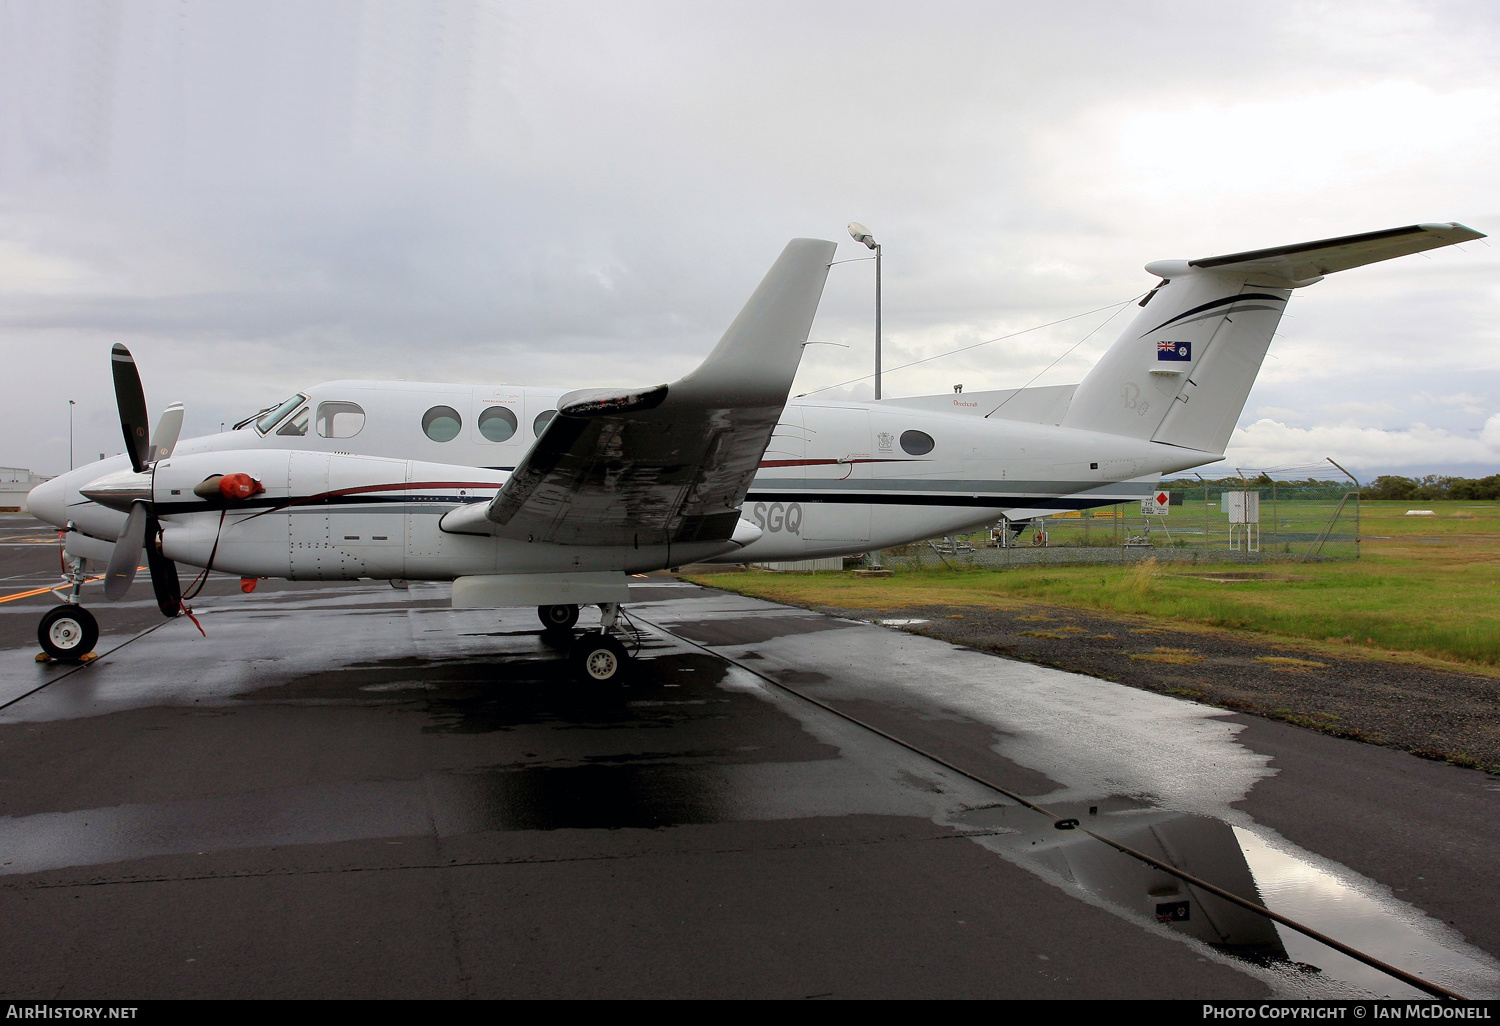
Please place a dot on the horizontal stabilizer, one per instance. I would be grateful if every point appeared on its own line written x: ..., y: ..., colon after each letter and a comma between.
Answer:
x: 1302, y: 261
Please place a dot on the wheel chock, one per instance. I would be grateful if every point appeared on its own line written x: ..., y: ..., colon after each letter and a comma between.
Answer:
x: 43, y: 657
x: 88, y: 658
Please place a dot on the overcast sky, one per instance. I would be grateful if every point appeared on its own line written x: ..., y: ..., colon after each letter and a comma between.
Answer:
x: 259, y: 196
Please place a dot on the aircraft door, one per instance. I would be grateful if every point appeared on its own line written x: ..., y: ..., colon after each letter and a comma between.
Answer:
x: 307, y: 522
x: 838, y: 442
x: 497, y: 426
x: 838, y: 455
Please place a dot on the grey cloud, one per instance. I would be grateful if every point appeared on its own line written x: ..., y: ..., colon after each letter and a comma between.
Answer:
x: 254, y: 195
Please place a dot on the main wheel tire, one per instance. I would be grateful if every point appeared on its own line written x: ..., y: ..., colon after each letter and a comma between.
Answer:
x: 598, y: 658
x: 557, y: 618
x: 68, y: 632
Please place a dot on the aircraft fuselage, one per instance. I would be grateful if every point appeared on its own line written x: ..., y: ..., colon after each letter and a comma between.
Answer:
x: 357, y: 479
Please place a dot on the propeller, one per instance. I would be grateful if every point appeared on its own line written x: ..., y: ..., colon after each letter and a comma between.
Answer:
x: 141, y: 526
x: 121, y: 570
x: 167, y: 430
x: 130, y: 398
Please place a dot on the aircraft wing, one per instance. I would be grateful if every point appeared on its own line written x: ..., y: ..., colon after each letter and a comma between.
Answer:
x: 669, y: 464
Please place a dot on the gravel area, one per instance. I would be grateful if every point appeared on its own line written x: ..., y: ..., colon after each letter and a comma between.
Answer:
x: 1439, y: 714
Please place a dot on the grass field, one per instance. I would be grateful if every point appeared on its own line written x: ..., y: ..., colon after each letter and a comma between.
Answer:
x: 1428, y: 586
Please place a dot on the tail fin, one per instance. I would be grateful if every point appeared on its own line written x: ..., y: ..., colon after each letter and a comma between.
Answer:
x: 1181, y: 372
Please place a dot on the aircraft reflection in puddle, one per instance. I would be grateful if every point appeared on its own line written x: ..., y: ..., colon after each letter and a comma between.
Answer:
x: 1204, y: 847
x: 1242, y: 862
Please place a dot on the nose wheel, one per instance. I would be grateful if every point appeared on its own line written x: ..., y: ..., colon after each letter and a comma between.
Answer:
x: 68, y: 632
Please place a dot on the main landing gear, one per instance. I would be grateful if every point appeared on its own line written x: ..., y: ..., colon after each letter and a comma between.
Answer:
x: 557, y: 618
x: 597, y: 657
x: 69, y: 632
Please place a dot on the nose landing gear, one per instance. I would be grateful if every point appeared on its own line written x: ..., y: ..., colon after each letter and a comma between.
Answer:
x: 69, y: 632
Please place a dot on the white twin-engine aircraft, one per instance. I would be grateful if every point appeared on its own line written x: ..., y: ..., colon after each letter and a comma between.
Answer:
x: 535, y: 496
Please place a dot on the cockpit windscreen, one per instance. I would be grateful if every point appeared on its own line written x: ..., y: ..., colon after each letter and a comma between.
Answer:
x: 271, y: 419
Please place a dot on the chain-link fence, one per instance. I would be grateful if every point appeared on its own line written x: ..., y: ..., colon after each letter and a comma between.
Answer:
x: 1314, y: 516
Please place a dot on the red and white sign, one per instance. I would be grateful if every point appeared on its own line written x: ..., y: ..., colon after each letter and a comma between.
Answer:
x: 1157, y: 505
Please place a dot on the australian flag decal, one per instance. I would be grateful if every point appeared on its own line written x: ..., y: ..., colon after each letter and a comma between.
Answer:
x: 1174, y: 350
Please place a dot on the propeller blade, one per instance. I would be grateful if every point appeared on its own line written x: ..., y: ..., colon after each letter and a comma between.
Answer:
x: 164, y: 580
x: 130, y: 398
x: 127, y: 554
x: 167, y: 430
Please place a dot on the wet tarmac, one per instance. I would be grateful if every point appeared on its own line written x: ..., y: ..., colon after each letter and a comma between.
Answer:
x: 349, y: 790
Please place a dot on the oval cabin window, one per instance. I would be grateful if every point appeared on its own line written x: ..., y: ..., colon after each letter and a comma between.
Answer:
x: 542, y: 420
x: 340, y: 420
x: 497, y: 424
x: 917, y: 443
x: 441, y: 423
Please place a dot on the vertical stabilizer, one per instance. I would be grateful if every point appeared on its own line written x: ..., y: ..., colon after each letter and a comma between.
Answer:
x: 1198, y: 343
x: 1182, y: 370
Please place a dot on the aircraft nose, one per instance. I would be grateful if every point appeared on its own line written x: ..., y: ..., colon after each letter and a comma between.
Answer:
x: 48, y: 501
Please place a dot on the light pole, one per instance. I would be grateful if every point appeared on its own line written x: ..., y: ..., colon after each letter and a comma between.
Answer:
x: 862, y: 234
x: 70, y: 434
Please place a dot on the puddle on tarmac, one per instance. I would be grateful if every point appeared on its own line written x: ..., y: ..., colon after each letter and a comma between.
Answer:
x: 1316, y: 897
x: 1242, y: 862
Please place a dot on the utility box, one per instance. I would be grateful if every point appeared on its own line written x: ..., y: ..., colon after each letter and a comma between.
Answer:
x: 1244, y: 519
x: 1243, y: 507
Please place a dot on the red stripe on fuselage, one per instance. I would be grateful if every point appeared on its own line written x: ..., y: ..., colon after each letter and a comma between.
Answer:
x: 830, y: 463
x: 404, y: 486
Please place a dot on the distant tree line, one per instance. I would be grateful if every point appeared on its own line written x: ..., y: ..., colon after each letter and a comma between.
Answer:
x: 1309, y: 488
x: 1387, y: 486
x: 1433, y: 486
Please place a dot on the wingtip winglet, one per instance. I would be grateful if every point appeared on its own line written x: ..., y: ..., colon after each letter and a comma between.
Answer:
x: 757, y: 358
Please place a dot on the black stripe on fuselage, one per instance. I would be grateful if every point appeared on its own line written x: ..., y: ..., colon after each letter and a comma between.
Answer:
x: 982, y: 501
x: 846, y: 498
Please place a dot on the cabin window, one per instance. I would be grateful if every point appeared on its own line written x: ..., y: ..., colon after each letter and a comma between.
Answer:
x: 296, y: 425
x: 542, y: 420
x: 497, y: 424
x: 271, y: 419
x: 442, y: 423
x: 340, y: 420
x: 917, y: 443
